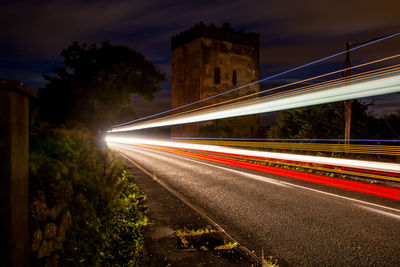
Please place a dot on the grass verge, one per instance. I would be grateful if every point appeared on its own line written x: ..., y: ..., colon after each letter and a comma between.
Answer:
x: 70, y: 169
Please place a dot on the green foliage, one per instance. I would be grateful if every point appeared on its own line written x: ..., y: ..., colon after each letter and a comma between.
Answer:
x: 94, y: 85
x: 215, y: 130
x: 123, y: 239
x: 324, y: 121
x: 107, y: 210
x: 388, y: 126
x: 327, y: 121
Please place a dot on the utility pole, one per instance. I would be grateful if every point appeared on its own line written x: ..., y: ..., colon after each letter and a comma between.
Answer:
x: 347, y: 74
x: 347, y: 103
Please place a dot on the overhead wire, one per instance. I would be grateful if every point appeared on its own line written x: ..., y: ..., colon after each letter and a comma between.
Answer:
x: 267, y: 78
x: 319, y: 86
x: 279, y: 87
x: 291, y: 84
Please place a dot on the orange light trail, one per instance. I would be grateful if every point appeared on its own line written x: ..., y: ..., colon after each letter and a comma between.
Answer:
x: 314, y: 147
x: 281, y: 101
x: 327, y: 83
x: 349, y: 163
x: 377, y: 190
x: 319, y: 86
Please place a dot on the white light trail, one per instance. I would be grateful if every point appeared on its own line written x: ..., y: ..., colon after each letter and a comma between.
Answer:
x: 370, y: 88
x: 359, y: 164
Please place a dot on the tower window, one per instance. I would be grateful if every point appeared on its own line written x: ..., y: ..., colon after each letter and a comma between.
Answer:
x: 217, y: 75
x: 234, y: 81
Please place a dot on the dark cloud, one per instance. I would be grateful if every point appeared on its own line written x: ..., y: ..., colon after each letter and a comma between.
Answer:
x: 143, y: 108
x: 291, y: 32
x: 387, y: 104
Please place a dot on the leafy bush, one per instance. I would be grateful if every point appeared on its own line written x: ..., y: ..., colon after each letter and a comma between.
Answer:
x: 107, y: 209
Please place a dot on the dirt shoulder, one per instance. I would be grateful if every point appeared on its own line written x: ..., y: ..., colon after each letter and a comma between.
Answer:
x: 198, y: 243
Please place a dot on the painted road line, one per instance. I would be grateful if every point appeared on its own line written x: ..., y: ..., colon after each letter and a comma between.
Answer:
x: 385, y: 213
x: 372, y: 189
x: 302, y: 187
x: 195, y: 208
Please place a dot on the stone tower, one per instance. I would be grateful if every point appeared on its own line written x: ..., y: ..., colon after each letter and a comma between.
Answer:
x: 207, y: 60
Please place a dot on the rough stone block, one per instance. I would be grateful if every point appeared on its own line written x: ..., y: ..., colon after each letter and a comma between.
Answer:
x: 37, y: 237
x: 40, y: 210
x: 54, y: 212
x: 50, y: 230
x: 45, y: 249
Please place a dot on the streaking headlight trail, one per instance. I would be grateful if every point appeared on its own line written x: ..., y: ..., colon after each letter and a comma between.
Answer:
x: 359, y: 164
x: 369, y: 88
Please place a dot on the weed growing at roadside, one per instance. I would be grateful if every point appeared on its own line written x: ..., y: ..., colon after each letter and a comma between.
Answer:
x: 194, y: 232
x: 270, y: 262
x: 155, y: 177
x: 203, y: 240
x: 229, y: 245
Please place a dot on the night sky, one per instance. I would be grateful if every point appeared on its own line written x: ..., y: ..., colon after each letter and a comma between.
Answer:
x: 33, y: 33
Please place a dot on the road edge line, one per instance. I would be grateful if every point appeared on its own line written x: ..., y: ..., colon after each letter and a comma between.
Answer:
x: 196, y: 209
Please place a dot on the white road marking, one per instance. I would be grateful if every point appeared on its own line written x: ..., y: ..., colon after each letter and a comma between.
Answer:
x: 380, y: 212
x: 295, y: 185
x: 249, y: 175
x: 343, y: 197
x: 359, y: 164
x: 196, y: 209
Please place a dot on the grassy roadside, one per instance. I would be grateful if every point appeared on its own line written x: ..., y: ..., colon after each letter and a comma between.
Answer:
x: 70, y: 173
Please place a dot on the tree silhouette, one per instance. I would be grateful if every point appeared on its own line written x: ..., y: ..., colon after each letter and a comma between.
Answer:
x: 94, y: 85
x: 327, y: 121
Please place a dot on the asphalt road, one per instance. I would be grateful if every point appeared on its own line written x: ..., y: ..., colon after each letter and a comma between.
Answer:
x: 297, y: 222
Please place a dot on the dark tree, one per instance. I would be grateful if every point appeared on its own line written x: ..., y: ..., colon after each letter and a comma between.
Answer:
x: 325, y: 121
x: 95, y: 84
x: 389, y: 126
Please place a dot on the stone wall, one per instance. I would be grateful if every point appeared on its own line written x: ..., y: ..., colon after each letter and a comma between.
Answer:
x: 49, y: 224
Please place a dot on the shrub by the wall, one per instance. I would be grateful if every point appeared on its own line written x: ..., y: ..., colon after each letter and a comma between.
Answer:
x: 71, y: 172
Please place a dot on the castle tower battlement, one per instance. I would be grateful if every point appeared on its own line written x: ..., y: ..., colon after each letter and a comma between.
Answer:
x: 206, y: 61
x: 225, y: 33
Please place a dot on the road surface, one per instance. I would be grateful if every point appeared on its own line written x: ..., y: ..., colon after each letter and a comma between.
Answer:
x: 299, y: 223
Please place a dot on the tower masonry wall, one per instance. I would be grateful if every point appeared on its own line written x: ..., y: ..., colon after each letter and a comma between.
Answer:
x: 229, y: 58
x: 186, y: 74
x: 204, y: 67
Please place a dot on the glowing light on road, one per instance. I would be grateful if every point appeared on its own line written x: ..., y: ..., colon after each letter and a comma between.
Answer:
x: 369, y: 88
x: 308, y: 146
x: 378, y: 190
x: 358, y: 164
